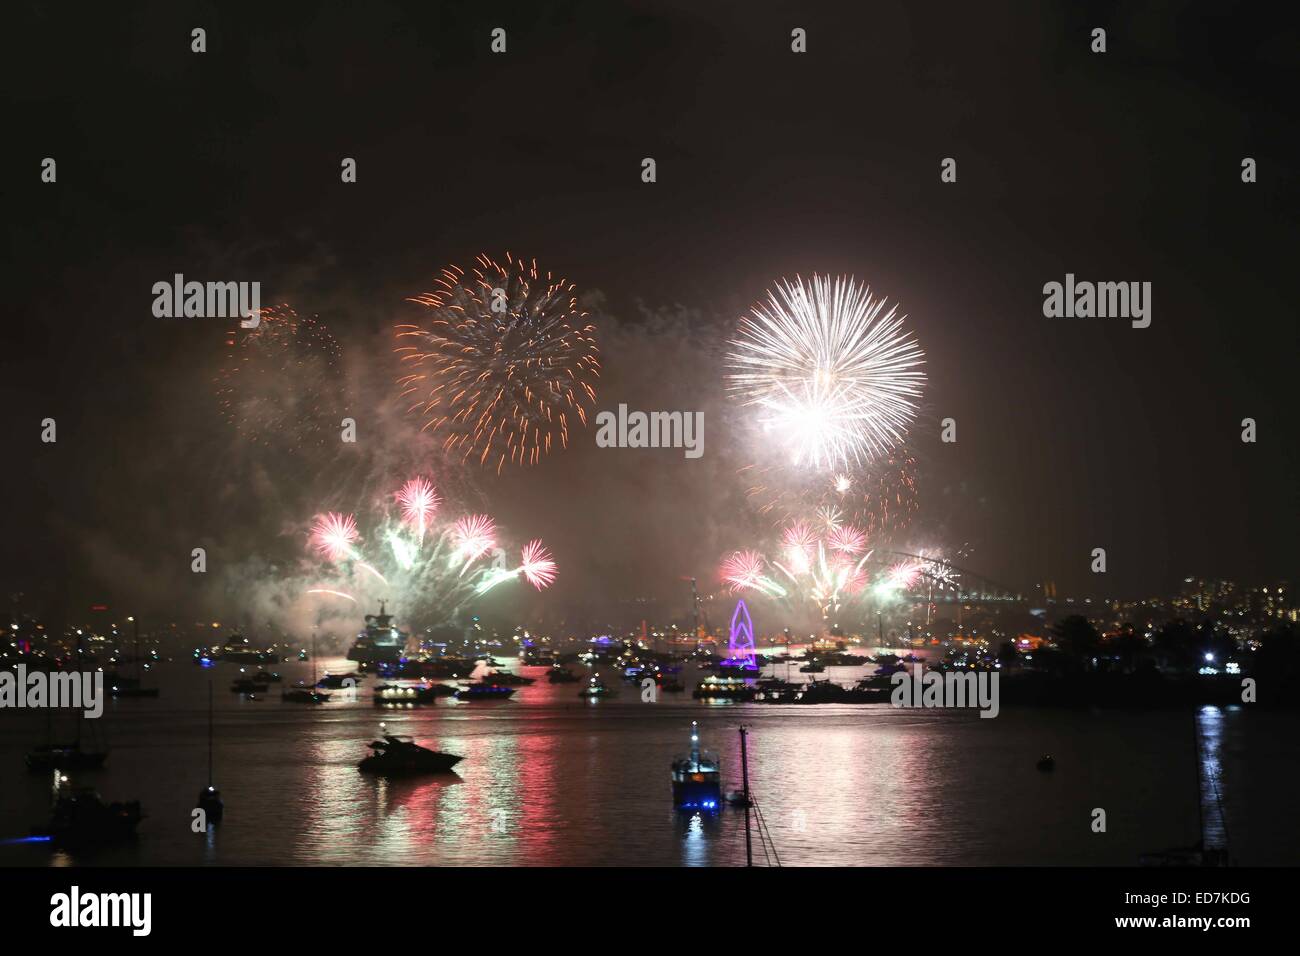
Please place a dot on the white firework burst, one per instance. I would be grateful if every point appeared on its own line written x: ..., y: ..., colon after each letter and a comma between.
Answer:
x: 835, y: 380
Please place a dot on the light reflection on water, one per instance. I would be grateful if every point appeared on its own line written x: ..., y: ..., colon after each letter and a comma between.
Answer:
x: 550, y: 780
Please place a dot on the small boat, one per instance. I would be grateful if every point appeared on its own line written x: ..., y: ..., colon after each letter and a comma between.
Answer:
x: 561, y: 675
x: 595, y: 689
x: 268, y: 677
x: 339, y: 681
x: 697, y: 778
x: 484, y: 692
x: 386, y: 694
x: 514, y: 680
x: 209, y: 799
x: 81, y: 817
x: 812, y: 667
x: 246, y: 685
x: 823, y: 692
x: 299, y: 694
x: 1046, y: 762
x: 723, y: 688
x: 401, y: 756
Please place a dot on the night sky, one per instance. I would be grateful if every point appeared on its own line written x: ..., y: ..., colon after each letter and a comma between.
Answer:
x: 1072, y: 433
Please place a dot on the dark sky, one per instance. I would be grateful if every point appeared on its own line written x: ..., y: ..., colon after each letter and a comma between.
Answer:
x: 1072, y: 433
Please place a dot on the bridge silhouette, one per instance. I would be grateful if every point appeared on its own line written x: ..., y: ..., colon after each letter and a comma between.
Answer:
x: 966, y: 587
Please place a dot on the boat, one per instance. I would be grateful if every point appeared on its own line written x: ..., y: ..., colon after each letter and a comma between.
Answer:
x: 301, y: 694
x: 514, y: 680
x: 595, y: 689
x: 380, y: 643
x: 386, y: 694
x: 697, y: 778
x: 401, y: 756
x: 561, y: 675
x: 209, y: 798
x: 874, y: 689
x: 339, y: 681
x: 268, y: 677
x: 81, y: 816
x: 52, y: 756
x: 1046, y: 762
x: 237, y: 650
x: 812, y: 667
x: 483, y: 691
x: 246, y: 685
x: 773, y: 690
x: 723, y: 688
x: 823, y: 692
x: 120, y: 685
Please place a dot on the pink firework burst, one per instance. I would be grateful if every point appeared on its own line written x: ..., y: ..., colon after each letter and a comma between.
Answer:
x: 333, y: 535
x: 799, y: 542
x: 538, y: 566
x: 474, y: 536
x: 847, y: 539
x: 903, y: 575
x: 742, y: 570
x: 419, y: 503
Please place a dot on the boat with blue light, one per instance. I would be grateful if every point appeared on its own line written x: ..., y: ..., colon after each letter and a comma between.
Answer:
x: 697, y: 778
x: 483, y: 691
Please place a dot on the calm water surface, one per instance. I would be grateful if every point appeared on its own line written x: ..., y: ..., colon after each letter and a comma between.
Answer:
x: 550, y: 780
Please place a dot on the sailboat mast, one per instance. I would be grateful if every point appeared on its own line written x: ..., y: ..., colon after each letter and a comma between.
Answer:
x: 209, y: 731
x: 744, y: 777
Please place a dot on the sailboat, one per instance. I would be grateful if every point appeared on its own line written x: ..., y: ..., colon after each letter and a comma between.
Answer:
x: 302, y: 694
x: 52, y: 756
x: 210, y: 797
x: 133, y: 686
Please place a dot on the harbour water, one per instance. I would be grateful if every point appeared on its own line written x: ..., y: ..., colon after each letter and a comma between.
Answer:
x: 548, y: 779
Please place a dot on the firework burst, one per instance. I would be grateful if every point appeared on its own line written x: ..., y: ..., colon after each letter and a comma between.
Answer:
x: 503, y: 363
x: 834, y: 380
x: 333, y: 535
x: 474, y: 536
x: 538, y: 566
x: 419, y: 502
x: 436, y: 569
x: 278, y: 384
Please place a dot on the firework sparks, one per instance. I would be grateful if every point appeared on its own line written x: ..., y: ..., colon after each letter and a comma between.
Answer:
x: 334, y: 534
x: 835, y: 382
x: 538, y: 567
x: 419, y: 501
x: 847, y: 539
x: 743, y: 570
x: 474, y: 536
x: 332, y: 593
x: 503, y: 364
x: 278, y: 384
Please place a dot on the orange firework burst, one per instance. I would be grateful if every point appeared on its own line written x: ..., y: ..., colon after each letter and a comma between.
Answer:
x: 502, y: 363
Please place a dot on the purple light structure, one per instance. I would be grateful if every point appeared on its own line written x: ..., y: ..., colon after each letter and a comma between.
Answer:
x: 740, y: 642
